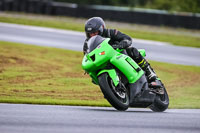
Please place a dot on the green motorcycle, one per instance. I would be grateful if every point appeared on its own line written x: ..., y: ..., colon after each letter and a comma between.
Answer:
x: 121, y: 80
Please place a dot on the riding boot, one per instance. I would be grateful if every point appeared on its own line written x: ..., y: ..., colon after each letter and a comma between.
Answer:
x: 151, y: 77
x: 149, y: 72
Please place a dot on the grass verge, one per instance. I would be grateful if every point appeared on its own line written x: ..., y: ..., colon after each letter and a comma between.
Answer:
x: 42, y: 75
x: 175, y: 36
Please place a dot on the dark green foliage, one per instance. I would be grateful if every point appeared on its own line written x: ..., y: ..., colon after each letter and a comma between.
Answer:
x: 170, y: 5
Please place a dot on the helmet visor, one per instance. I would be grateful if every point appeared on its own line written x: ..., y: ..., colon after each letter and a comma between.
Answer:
x: 91, y: 34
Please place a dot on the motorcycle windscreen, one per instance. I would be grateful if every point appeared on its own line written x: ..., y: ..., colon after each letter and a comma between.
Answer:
x: 94, y: 42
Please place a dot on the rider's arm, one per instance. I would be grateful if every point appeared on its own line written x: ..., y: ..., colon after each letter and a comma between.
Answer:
x: 115, y: 35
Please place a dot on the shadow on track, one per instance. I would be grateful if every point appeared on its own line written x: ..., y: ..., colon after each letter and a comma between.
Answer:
x: 131, y: 110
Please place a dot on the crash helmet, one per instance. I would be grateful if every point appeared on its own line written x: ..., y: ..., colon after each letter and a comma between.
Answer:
x: 94, y: 26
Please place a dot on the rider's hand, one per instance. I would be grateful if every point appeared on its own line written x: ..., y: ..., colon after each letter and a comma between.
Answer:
x: 124, y: 44
x: 115, y: 45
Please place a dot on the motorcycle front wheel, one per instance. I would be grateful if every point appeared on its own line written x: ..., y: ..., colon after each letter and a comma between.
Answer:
x: 117, y: 97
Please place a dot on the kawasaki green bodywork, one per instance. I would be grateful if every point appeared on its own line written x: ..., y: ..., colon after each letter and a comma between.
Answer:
x: 95, y: 62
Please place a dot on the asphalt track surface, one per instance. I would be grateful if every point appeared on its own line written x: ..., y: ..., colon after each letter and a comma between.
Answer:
x: 22, y: 118
x: 157, y: 51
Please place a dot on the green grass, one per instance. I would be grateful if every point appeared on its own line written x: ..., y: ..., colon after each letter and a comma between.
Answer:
x: 42, y: 75
x: 176, y: 36
x: 47, y: 21
x: 180, y: 40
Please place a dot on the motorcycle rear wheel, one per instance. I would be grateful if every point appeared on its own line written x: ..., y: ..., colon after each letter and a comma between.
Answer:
x: 118, y: 100
x: 161, y: 102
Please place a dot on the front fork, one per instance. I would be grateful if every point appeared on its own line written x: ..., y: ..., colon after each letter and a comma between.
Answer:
x: 113, y: 75
x: 111, y: 72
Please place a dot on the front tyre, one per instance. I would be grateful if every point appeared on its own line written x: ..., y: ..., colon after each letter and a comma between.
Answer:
x: 117, y: 97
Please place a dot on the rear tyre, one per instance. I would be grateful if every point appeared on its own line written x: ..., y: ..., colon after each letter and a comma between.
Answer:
x: 117, y: 97
x: 161, y: 102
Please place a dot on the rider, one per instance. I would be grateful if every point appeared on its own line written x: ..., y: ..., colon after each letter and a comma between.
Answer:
x: 96, y: 26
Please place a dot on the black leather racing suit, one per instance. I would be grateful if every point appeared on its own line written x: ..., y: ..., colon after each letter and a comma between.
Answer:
x: 124, y: 39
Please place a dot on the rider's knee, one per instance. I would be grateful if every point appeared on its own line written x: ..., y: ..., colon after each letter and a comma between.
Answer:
x: 133, y: 52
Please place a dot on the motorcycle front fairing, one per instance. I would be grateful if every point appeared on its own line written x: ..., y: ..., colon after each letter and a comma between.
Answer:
x: 101, y: 53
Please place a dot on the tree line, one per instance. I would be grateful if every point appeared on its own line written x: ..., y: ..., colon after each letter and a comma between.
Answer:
x: 169, y: 5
